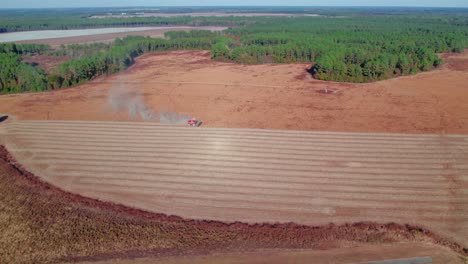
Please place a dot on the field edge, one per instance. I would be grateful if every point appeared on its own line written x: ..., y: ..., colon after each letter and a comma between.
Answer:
x: 369, y: 232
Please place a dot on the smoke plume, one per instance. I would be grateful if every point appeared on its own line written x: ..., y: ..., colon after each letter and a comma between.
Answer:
x: 122, y: 99
x: 167, y: 117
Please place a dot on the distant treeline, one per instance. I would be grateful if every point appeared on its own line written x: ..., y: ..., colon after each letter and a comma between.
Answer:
x: 81, y: 23
x: 23, y: 48
x: 17, y: 76
x: 122, y: 55
x: 353, y: 49
x: 73, y: 18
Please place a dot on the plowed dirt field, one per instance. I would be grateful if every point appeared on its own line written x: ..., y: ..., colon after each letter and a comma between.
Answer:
x: 363, y: 171
x: 253, y: 175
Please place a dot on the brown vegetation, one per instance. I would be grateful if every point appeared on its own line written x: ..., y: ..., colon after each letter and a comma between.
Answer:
x: 48, y: 63
x: 40, y: 223
x: 358, y: 253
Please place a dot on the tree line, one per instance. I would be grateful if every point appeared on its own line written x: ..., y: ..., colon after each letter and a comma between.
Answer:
x: 74, y: 18
x: 17, y: 76
x: 59, y: 22
x: 121, y: 56
x: 354, y: 49
x: 23, y: 48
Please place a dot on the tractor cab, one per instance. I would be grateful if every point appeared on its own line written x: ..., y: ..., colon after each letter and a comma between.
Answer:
x: 194, y: 122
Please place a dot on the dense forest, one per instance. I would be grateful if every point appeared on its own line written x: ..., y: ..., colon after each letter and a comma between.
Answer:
x: 16, y: 77
x: 12, y: 20
x: 354, y: 49
x: 48, y: 23
x: 23, y: 48
x: 345, y: 48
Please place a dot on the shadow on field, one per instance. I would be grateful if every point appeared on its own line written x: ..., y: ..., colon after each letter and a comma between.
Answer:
x: 3, y: 118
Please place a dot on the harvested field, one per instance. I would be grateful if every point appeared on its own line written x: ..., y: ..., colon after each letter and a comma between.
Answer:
x: 93, y: 35
x: 40, y: 223
x: 252, y: 176
x: 278, y: 96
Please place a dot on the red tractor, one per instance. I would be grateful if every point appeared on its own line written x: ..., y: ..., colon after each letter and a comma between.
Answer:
x: 194, y: 122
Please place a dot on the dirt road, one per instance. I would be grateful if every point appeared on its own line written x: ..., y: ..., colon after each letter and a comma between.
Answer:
x: 253, y: 175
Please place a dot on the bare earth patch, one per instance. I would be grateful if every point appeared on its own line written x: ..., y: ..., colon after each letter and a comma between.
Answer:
x: 40, y: 223
x: 277, y: 96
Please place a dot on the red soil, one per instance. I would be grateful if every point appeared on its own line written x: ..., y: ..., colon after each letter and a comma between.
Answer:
x: 278, y: 96
x: 192, y: 236
x: 232, y: 95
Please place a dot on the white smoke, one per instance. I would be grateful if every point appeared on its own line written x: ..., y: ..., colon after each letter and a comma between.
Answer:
x: 121, y: 99
x: 167, y: 117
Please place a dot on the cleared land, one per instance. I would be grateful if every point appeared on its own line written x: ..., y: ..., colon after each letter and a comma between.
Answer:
x: 229, y: 175
x: 40, y: 223
x: 412, y: 179
x: 280, y: 96
x: 81, y: 36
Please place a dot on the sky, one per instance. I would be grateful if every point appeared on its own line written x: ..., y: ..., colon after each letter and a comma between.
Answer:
x: 120, y: 3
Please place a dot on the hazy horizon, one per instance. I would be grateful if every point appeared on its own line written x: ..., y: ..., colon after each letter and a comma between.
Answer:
x: 246, y: 3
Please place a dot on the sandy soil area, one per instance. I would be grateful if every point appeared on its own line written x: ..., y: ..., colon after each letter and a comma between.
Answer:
x: 280, y: 96
x: 55, y: 42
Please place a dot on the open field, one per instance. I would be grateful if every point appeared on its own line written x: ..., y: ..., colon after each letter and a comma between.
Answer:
x: 40, y: 224
x: 356, y: 153
x: 280, y: 96
x: 311, y: 178
x: 80, y: 36
x: 252, y: 176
